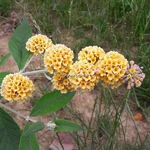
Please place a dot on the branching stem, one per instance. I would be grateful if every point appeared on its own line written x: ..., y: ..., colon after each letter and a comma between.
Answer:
x: 17, y: 113
x: 34, y: 72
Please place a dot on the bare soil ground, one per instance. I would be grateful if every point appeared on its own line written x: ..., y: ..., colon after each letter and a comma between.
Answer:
x: 82, y: 102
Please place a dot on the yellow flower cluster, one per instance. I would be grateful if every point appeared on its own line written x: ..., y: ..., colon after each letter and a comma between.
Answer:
x: 93, y: 65
x: 91, y: 54
x: 83, y: 75
x: 38, y: 44
x: 60, y: 82
x: 16, y: 87
x: 112, y: 69
x: 58, y: 58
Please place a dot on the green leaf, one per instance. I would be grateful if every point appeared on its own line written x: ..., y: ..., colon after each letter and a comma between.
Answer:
x: 2, y: 76
x: 9, y: 132
x: 4, y: 58
x: 35, y: 128
x: 65, y: 125
x: 51, y: 102
x: 28, y: 142
x: 18, y: 41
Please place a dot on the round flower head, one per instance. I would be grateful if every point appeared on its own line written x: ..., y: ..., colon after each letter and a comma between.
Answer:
x: 134, y: 75
x: 112, y: 68
x: 58, y: 58
x: 38, y: 43
x: 83, y: 75
x: 16, y: 87
x: 91, y: 54
x: 60, y: 82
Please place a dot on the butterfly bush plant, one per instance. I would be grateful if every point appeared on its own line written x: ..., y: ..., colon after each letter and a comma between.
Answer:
x: 93, y: 66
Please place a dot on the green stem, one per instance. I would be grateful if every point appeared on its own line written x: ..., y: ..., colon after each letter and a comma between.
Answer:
x: 138, y: 104
x: 136, y: 127
x: 118, y: 114
x: 126, y: 97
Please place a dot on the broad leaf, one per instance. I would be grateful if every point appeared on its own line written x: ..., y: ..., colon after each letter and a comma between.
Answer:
x: 35, y: 128
x: 18, y: 41
x: 9, y: 132
x: 51, y: 102
x: 65, y: 125
x: 2, y: 76
x: 4, y: 58
x: 28, y: 142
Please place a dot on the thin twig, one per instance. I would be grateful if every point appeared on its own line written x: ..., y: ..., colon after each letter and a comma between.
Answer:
x: 60, y: 141
x: 17, y: 113
x: 34, y: 72
x: 27, y: 64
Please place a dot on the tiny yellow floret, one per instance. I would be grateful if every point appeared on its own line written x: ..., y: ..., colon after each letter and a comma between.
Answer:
x: 91, y: 54
x: 60, y: 82
x: 37, y: 44
x: 16, y: 87
x: 112, y: 68
x: 83, y: 75
x: 58, y: 58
